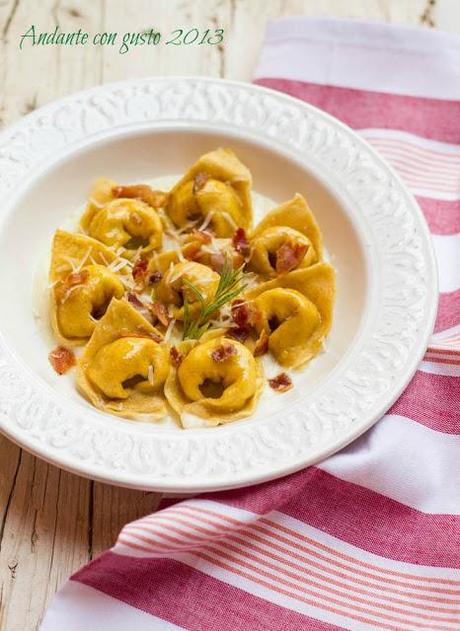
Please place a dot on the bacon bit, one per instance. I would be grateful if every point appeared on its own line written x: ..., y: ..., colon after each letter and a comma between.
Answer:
x: 159, y: 311
x: 199, y: 181
x: 240, y: 241
x: 175, y: 356
x: 155, y: 199
x: 238, y: 333
x: 77, y: 278
x: 195, y: 240
x: 192, y: 250
x: 139, y: 270
x: 155, y: 277
x: 242, y: 316
x: 201, y: 235
x: 72, y: 280
x: 223, y: 352
x: 281, y: 383
x: 241, y: 313
x: 217, y: 261
x: 134, y: 300
x: 62, y: 359
x: 288, y: 256
x: 261, y: 346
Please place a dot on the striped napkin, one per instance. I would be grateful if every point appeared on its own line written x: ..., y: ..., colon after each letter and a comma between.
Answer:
x: 370, y: 538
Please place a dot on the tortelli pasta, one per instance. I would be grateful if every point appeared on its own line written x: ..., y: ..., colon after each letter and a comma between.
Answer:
x: 296, y: 312
x: 217, y: 186
x: 218, y: 380
x: 287, y: 238
x: 177, y: 298
x: 125, y: 364
x: 180, y: 281
x: 82, y: 285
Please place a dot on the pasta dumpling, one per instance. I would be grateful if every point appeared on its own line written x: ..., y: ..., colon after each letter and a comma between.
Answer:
x: 279, y: 250
x: 216, y: 187
x: 128, y: 223
x: 218, y: 380
x: 82, y: 285
x: 125, y: 365
x: 287, y: 238
x: 177, y: 299
x: 295, y: 311
x: 105, y: 190
x: 100, y: 195
x: 162, y: 262
x: 175, y: 287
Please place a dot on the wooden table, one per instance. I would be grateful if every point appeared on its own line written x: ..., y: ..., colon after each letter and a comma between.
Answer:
x: 52, y: 522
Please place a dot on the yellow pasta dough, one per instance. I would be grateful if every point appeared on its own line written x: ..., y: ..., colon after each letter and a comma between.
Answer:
x: 294, y: 214
x: 216, y: 187
x: 81, y: 285
x: 296, y: 312
x: 218, y: 380
x: 125, y: 364
x: 101, y: 194
x: 127, y: 223
x: 279, y: 250
x: 175, y: 286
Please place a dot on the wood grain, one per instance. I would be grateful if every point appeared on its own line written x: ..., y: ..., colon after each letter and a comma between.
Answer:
x: 52, y: 522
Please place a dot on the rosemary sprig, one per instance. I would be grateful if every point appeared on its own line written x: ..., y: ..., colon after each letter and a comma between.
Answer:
x: 230, y: 285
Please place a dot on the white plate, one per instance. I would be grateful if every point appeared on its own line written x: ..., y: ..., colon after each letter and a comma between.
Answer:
x: 373, y: 230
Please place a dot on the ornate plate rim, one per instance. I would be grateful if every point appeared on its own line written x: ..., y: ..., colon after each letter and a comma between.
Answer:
x: 182, y: 463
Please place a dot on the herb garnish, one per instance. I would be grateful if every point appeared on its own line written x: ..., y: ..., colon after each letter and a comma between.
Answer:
x: 230, y: 285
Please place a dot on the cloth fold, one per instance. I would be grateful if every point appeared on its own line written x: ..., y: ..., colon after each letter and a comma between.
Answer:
x: 370, y: 538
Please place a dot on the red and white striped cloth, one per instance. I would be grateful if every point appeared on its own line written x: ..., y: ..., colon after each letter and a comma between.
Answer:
x: 370, y: 538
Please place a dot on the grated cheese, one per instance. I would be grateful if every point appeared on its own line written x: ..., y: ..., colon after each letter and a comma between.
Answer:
x: 150, y: 375
x: 186, y: 226
x: 220, y: 324
x: 127, y: 281
x: 135, y: 347
x: 250, y: 280
x: 175, y: 233
x: 136, y: 253
x: 169, y: 330
x: 83, y: 260
x: 207, y: 221
x: 73, y: 262
x: 69, y: 291
x: 211, y: 248
x: 94, y: 202
x: 173, y: 276
x: 229, y: 218
x: 226, y: 311
x: 116, y: 265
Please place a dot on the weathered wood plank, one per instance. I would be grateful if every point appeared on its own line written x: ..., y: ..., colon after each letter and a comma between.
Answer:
x: 45, y: 535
